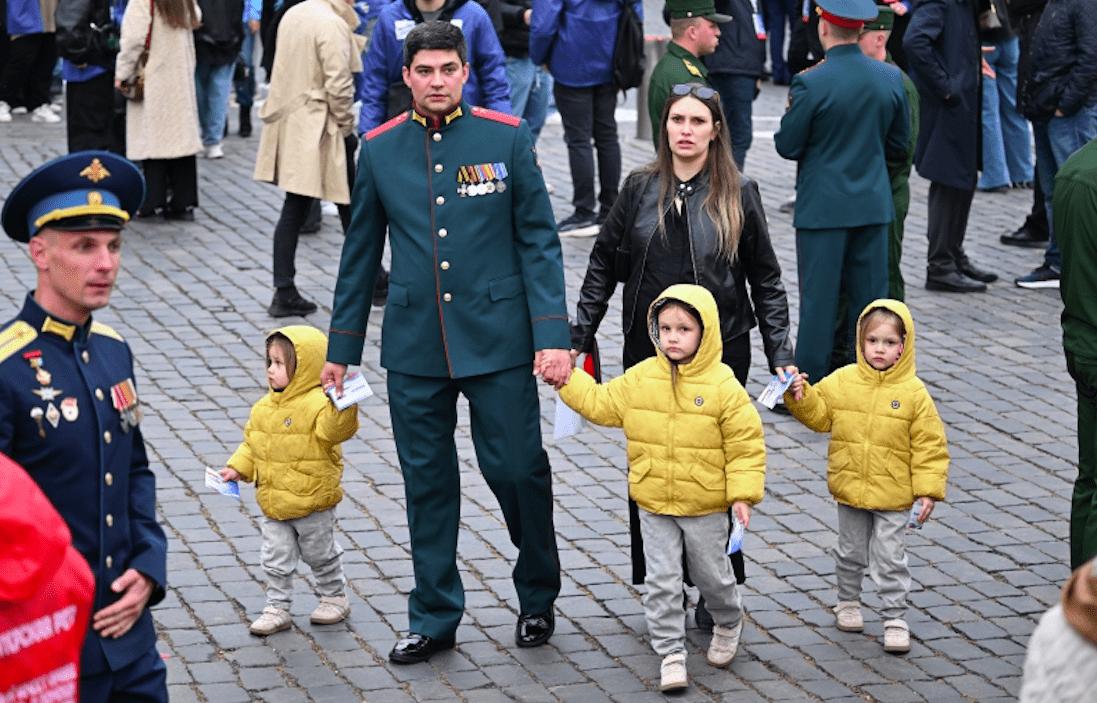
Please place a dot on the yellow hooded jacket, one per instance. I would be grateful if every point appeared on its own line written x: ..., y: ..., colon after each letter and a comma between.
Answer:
x: 887, y: 443
x: 291, y: 442
x: 695, y: 445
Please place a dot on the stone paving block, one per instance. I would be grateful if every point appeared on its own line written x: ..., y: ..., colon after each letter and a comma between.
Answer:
x: 224, y: 692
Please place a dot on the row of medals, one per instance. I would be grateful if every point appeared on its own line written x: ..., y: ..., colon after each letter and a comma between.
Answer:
x: 478, y: 180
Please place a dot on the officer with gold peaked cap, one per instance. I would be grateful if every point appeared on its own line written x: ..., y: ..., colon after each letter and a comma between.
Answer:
x: 70, y: 412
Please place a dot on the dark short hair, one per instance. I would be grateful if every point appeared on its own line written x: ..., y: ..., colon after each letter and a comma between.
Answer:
x: 434, y: 35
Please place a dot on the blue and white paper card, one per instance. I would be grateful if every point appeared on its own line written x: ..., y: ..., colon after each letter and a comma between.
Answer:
x: 355, y: 390
x: 227, y: 488
x: 774, y: 391
x: 735, y: 541
x: 567, y: 421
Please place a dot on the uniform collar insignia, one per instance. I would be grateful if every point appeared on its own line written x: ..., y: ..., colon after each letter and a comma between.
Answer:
x: 457, y: 112
x: 58, y: 328
x: 432, y: 122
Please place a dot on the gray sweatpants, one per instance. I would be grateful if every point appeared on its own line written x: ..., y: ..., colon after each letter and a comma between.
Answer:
x: 875, y: 539
x: 705, y: 538
x: 310, y: 538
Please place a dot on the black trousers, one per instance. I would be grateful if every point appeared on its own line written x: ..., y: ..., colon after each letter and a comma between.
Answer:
x: 177, y: 176
x: 946, y: 223
x: 25, y: 81
x: 95, y: 115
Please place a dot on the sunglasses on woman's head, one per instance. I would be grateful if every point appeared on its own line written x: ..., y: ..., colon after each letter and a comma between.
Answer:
x: 696, y: 89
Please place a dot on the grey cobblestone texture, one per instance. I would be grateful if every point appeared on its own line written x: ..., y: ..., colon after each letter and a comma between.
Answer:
x: 191, y: 300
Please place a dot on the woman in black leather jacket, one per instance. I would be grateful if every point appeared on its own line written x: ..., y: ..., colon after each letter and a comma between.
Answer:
x: 688, y: 248
x: 688, y: 217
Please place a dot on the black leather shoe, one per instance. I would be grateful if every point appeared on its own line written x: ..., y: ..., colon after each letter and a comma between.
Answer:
x: 534, y: 630
x: 289, y: 302
x: 1025, y: 237
x: 977, y: 274
x: 418, y: 648
x: 954, y: 282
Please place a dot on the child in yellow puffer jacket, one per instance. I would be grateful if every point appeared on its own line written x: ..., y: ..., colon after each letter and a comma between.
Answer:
x: 695, y: 448
x: 887, y: 450
x: 291, y: 451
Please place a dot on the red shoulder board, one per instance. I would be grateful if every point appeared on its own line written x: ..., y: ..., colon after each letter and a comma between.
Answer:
x: 399, y: 119
x: 497, y: 116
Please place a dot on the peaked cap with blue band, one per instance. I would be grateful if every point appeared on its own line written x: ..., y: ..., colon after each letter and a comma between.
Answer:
x: 85, y: 190
x: 856, y: 10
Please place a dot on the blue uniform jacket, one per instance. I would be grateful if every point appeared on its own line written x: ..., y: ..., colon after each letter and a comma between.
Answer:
x: 575, y: 38
x: 477, y: 282
x: 845, y: 115
x: 383, y: 63
x: 94, y: 470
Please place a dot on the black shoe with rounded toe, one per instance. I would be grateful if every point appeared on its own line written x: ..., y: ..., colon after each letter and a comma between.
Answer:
x: 954, y: 282
x: 977, y: 274
x: 534, y: 630
x: 1025, y: 237
x: 418, y: 648
x: 290, y: 303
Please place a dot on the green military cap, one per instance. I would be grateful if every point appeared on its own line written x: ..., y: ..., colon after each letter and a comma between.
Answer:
x: 687, y: 9
x: 884, y: 21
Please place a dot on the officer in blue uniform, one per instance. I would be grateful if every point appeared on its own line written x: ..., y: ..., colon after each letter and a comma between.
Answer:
x: 69, y: 410
x: 476, y: 294
x: 845, y: 116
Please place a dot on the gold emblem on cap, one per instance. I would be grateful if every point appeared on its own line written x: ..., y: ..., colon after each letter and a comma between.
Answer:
x: 95, y: 198
x: 95, y: 172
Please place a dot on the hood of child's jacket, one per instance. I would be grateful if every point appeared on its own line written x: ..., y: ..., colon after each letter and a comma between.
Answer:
x: 711, y: 349
x: 311, y: 347
x: 904, y: 367
x: 35, y: 536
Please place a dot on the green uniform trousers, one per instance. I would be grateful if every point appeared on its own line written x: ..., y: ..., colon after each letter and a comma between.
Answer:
x: 505, y: 419
x: 1083, y: 509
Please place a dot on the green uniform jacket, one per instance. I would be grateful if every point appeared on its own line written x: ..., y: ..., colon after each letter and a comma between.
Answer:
x: 477, y: 281
x: 676, y: 66
x: 1075, y: 212
x: 899, y: 165
x: 845, y: 116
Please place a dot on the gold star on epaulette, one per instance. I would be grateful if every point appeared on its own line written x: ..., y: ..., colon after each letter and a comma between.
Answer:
x: 95, y: 171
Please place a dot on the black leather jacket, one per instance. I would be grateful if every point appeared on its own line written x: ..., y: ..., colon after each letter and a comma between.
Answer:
x: 755, y: 263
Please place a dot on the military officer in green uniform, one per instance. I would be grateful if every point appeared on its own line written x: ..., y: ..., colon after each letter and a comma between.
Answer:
x: 694, y: 32
x: 69, y: 411
x: 845, y: 116
x: 476, y: 306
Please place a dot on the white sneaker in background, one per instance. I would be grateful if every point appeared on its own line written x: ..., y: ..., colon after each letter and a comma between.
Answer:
x: 21, y: 110
x: 43, y: 113
x: 5, y: 112
x: 215, y: 151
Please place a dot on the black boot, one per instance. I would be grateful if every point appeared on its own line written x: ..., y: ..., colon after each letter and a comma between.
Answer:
x: 245, y: 120
x: 288, y: 302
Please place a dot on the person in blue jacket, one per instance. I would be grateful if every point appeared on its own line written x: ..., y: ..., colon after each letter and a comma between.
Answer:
x: 382, y: 90
x: 576, y: 38
x: 69, y: 411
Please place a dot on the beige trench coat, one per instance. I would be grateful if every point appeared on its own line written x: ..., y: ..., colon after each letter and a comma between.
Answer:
x: 165, y: 124
x: 309, y: 109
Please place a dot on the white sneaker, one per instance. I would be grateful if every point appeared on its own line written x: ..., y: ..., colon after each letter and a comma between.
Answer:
x: 848, y: 613
x: 896, y: 636
x: 43, y: 113
x: 724, y: 645
x: 672, y: 673
x: 272, y: 620
x: 215, y: 151
x: 21, y: 110
x: 58, y: 108
x: 5, y: 112
x: 331, y: 610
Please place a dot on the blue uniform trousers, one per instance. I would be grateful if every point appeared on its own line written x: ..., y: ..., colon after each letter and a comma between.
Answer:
x: 506, y: 432
x: 143, y: 681
x: 827, y: 258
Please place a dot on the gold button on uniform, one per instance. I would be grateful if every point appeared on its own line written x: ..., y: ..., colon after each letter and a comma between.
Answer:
x: 437, y: 136
x: 443, y: 232
x: 445, y: 265
x: 447, y: 297
x: 99, y: 393
x: 106, y: 436
x: 437, y: 168
x: 108, y: 478
x: 85, y: 356
x: 109, y: 562
x: 110, y: 520
x: 440, y: 200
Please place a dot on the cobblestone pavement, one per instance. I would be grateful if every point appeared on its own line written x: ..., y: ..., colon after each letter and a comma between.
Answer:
x: 192, y: 301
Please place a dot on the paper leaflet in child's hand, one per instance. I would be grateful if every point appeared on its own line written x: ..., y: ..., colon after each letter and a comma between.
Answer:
x: 736, y: 539
x: 915, y: 509
x: 775, y: 390
x: 214, y: 481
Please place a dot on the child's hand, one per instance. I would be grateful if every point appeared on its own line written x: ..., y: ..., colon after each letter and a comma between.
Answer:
x: 229, y: 474
x: 797, y: 387
x: 927, y: 508
x: 742, y: 511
